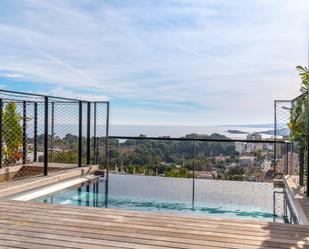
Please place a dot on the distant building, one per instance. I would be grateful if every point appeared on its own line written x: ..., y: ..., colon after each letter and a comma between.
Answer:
x: 254, y: 136
x: 246, y: 161
x: 240, y: 147
x: 126, y: 149
x: 266, y: 165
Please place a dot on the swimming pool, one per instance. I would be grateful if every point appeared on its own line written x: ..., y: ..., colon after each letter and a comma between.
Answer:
x: 229, y: 199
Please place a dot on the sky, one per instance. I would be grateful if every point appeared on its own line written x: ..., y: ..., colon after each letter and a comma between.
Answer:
x: 159, y: 62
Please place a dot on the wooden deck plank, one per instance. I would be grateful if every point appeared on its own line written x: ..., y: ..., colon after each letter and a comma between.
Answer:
x: 150, y: 216
x: 202, y: 240
x: 6, y: 243
x: 167, y: 224
x: 87, y: 227
x: 76, y: 231
x: 126, y: 242
x: 132, y: 213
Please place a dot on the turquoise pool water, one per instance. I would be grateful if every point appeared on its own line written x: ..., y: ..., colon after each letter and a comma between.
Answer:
x: 92, y: 193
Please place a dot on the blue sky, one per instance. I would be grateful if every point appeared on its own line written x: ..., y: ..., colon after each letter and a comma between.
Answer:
x: 173, y: 62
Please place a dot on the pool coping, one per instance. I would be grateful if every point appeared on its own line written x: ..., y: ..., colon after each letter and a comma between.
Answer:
x: 33, y: 194
x: 20, y: 186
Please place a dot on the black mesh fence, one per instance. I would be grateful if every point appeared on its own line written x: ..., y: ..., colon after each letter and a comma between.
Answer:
x: 99, y: 130
x: 207, y: 176
x: 299, y: 134
x: 283, y: 151
x: 17, y: 140
x: 291, y: 124
x: 227, y: 160
x: 41, y: 134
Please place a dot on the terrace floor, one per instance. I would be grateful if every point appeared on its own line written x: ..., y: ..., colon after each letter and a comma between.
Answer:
x: 38, y: 225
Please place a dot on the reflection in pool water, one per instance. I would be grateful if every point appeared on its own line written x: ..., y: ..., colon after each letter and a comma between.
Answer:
x: 252, y: 201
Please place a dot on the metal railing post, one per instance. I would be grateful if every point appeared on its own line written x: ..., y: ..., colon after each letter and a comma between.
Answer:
x: 46, y: 136
x: 35, y: 133
x: 107, y: 155
x: 94, y: 132
x: 80, y: 133
x: 24, y: 132
x: 292, y: 157
x: 193, y: 177
x: 51, y: 145
x: 286, y: 164
x: 1, y: 140
x: 275, y: 135
x: 88, y: 131
x: 307, y: 130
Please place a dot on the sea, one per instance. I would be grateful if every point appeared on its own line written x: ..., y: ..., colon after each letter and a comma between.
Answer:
x: 180, y: 131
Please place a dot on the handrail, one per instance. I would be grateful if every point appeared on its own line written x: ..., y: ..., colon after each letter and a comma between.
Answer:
x: 49, y: 96
x: 201, y: 139
x: 299, y: 96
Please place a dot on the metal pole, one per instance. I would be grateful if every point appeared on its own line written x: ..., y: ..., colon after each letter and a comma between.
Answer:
x: 292, y: 158
x: 307, y: 132
x: 1, y: 127
x: 275, y: 135
x: 80, y: 133
x: 46, y: 137
x: 107, y: 155
x: 88, y: 131
x: 193, y: 177
x: 52, y: 131
x: 287, y: 159
x: 35, y: 135
x: 94, y: 132
x: 24, y: 132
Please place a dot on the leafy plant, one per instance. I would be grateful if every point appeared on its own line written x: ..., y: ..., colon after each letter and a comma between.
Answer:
x: 297, y: 124
x: 299, y: 118
x: 12, y: 134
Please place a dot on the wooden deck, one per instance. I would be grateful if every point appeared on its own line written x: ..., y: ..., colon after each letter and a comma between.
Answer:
x: 305, y: 206
x: 37, y: 225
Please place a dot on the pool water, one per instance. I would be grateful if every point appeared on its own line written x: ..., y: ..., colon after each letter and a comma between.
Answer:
x: 156, y: 194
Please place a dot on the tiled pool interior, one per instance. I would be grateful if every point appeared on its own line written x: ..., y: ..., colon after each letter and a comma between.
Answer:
x: 229, y: 199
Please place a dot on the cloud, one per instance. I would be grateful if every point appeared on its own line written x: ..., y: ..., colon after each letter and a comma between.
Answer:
x: 11, y: 75
x: 61, y: 92
x: 222, y: 61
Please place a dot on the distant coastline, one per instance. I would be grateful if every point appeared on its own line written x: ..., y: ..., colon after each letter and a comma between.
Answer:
x: 236, y: 132
x: 180, y: 131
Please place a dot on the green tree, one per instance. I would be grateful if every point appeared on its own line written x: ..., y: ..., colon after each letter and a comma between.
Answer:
x: 235, y: 174
x: 297, y: 122
x: 12, y: 133
x: 299, y: 116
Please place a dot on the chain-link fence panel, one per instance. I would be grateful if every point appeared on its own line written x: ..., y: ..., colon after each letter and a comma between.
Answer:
x: 217, y: 178
x: 18, y: 126
x: 154, y: 175
x: 99, y: 138
x: 282, y: 132
x: 41, y: 134
x: 63, y: 134
x: 291, y: 120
